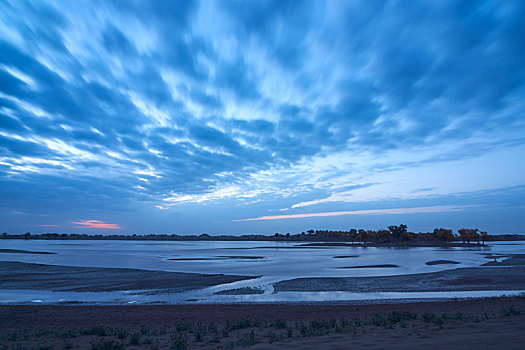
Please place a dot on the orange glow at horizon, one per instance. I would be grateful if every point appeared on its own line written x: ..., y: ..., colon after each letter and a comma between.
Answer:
x: 96, y: 224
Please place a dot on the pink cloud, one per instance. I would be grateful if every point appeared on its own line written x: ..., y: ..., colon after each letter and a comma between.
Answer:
x: 49, y: 225
x: 96, y: 224
x: 434, y: 209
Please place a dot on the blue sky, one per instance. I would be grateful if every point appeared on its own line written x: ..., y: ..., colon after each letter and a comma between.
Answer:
x: 261, y: 116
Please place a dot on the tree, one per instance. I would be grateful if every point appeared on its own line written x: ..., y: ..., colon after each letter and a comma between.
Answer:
x: 363, y: 235
x: 484, y: 237
x: 398, y: 231
x: 467, y: 234
x: 443, y: 235
x: 406, y: 236
x: 353, y: 235
x: 383, y: 235
x: 27, y: 235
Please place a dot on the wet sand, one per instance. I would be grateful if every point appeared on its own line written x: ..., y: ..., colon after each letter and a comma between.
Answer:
x: 462, y: 279
x: 18, y: 275
x: 441, y: 262
x: 370, y: 266
x: 21, y: 251
x: 459, y: 324
x: 513, y: 260
x: 241, y: 291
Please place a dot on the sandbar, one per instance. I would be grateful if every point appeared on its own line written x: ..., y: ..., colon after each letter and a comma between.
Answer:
x: 461, y: 279
x: 21, y: 251
x: 19, y: 275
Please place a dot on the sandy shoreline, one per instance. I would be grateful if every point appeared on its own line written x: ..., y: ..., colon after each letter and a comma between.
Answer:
x: 507, y: 274
x: 476, y: 323
x: 18, y: 275
x: 504, y: 275
x: 461, y: 279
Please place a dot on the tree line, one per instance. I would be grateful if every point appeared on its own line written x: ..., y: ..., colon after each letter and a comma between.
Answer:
x: 392, y: 235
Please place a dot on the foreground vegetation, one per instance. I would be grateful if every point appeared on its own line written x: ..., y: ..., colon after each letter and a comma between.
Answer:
x: 237, y: 333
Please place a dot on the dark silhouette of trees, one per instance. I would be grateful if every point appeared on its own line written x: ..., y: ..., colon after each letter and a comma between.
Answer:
x: 468, y: 234
x: 363, y: 235
x: 398, y: 231
x: 353, y: 235
x: 443, y: 235
x: 484, y: 237
x: 383, y: 235
x: 394, y: 235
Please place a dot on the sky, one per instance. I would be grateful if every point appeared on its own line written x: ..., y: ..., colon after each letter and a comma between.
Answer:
x: 232, y: 117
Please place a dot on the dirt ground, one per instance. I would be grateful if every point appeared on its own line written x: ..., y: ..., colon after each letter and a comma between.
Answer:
x: 458, y: 324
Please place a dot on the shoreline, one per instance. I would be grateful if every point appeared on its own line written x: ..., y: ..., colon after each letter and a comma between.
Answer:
x: 506, y: 274
x: 59, y: 278
x: 460, y: 279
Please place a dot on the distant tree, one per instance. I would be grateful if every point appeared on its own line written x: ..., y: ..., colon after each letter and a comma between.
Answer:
x: 484, y: 237
x: 363, y: 235
x: 27, y: 235
x: 398, y: 231
x: 4, y: 234
x: 406, y: 236
x: 475, y: 235
x: 443, y: 235
x: 468, y: 234
x: 353, y: 234
x: 383, y: 235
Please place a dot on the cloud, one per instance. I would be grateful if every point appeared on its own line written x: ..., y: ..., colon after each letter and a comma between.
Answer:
x: 96, y: 224
x: 397, y: 211
x: 276, y: 99
x: 48, y: 225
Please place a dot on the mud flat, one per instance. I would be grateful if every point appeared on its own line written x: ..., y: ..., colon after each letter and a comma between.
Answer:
x: 370, y: 266
x: 441, y: 262
x: 241, y: 291
x: 18, y: 275
x: 512, y: 260
x: 21, y: 251
x: 461, y: 279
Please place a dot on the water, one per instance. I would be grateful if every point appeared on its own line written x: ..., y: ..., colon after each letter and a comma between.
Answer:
x: 272, y: 261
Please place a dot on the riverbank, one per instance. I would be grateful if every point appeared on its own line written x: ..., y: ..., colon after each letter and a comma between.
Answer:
x: 474, y: 323
x: 462, y: 279
x: 19, y: 275
x: 506, y: 274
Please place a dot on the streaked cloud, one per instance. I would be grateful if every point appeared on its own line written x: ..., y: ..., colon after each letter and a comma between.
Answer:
x: 96, y: 224
x: 130, y: 107
x: 417, y: 210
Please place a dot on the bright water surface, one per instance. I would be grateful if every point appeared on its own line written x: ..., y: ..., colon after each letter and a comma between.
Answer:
x: 280, y: 261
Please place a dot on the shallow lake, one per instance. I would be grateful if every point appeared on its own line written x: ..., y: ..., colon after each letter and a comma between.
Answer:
x: 273, y: 261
